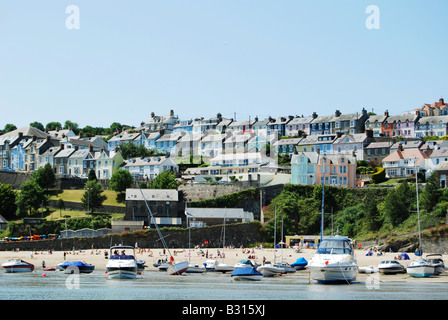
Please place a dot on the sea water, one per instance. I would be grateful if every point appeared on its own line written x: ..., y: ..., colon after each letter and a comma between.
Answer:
x: 157, y: 286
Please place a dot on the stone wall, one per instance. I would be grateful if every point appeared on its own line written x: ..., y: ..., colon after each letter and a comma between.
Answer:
x: 242, y: 234
x: 15, y: 179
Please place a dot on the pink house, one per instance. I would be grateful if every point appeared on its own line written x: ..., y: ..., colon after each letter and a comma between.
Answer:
x: 338, y: 170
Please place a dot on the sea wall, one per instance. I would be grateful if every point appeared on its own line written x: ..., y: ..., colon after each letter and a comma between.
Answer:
x: 240, y: 234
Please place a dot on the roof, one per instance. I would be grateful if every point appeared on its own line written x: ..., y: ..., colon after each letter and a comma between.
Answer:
x: 152, y: 194
x: 406, y: 154
x: 148, y: 161
x: 228, y: 213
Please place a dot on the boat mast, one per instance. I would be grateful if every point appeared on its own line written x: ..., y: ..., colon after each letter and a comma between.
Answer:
x: 323, y: 197
x: 418, y: 211
x: 275, y: 234
x: 155, y: 223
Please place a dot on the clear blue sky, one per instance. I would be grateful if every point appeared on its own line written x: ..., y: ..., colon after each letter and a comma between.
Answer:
x: 200, y: 57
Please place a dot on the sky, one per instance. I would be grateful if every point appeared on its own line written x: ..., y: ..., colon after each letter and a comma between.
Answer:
x: 240, y: 58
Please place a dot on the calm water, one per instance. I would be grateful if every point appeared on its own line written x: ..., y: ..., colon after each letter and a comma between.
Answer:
x: 155, y: 285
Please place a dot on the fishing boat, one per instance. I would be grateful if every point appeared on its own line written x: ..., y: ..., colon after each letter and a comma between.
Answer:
x: 269, y: 270
x: 246, y: 273
x: 391, y: 267
x: 420, y: 268
x: 300, y: 264
x: 334, y: 261
x: 71, y: 267
x: 121, y: 265
x: 436, y: 260
x: 17, y: 265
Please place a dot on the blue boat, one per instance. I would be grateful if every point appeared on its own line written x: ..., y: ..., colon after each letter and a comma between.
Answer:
x: 300, y: 264
x: 246, y: 273
x: 76, y: 267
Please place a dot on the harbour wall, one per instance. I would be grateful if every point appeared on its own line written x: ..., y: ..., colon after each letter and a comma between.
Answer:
x: 237, y: 235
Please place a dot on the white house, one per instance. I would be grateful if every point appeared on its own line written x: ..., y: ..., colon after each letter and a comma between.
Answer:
x: 148, y: 168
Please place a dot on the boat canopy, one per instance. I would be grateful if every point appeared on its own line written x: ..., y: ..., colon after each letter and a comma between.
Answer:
x: 338, y: 245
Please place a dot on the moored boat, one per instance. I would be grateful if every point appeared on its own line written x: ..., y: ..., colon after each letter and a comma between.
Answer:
x: 391, y: 267
x: 420, y: 268
x: 177, y: 268
x: 17, y: 265
x: 71, y: 267
x: 300, y: 264
x: 121, y: 266
x: 246, y: 273
x: 437, y: 262
x: 269, y: 270
x: 195, y: 268
x: 334, y: 261
x: 223, y: 267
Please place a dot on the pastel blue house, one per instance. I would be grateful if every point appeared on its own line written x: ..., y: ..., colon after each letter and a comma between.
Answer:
x: 303, y: 168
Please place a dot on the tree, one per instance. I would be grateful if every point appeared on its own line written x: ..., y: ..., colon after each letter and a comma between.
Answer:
x: 397, y: 203
x: 9, y: 127
x: 61, y: 205
x: 8, y: 205
x: 93, y: 197
x: 164, y: 180
x: 30, y: 198
x: 45, y: 177
x: 119, y: 182
x: 37, y: 125
x: 92, y: 175
x: 52, y: 126
x: 432, y: 192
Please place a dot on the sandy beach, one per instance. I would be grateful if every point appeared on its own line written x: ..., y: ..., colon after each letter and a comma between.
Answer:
x: 199, y: 256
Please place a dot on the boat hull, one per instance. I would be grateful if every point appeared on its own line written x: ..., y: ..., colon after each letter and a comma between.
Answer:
x: 334, y: 273
x: 224, y: 268
x: 17, y: 266
x: 18, y: 269
x: 392, y: 270
x: 193, y: 268
x: 270, y: 271
x: 246, y: 274
x: 423, y: 271
x: 178, y: 268
x: 118, y: 273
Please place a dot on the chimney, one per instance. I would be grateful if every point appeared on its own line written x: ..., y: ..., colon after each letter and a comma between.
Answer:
x: 314, y: 115
x: 337, y: 113
x: 441, y: 101
x: 386, y: 113
x: 369, y: 133
x: 400, y: 147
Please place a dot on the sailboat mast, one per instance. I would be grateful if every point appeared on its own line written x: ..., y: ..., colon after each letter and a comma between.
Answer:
x: 275, y: 234
x: 418, y: 210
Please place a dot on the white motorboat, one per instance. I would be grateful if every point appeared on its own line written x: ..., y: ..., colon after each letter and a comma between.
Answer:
x: 391, y: 267
x: 334, y: 261
x: 210, y: 265
x: 195, y: 268
x: 437, y: 262
x: 245, y: 263
x: 223, y: 267
x: 177, y: 268
x: 120, y: 264
x: 286, y: 267
x: 270, y: 270
x: 17, y: 265
x: 421, y: 268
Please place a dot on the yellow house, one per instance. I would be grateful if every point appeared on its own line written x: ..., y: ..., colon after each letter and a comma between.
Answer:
x: 107, y: 163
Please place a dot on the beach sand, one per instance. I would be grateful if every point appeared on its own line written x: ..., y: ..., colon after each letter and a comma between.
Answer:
x: 198, y: 256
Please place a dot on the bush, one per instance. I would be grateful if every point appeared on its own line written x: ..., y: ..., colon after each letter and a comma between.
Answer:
x: 379, y: 176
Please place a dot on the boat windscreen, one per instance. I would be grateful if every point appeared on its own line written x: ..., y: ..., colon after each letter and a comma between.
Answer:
x: 335, y: 247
